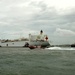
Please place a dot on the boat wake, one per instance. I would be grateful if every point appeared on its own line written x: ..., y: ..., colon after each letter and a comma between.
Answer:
x: 60, y: 48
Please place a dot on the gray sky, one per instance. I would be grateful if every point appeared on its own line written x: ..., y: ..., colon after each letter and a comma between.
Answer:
x: 56, y: 18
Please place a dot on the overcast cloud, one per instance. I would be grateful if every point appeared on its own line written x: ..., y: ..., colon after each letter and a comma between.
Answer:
x: 56, y: 18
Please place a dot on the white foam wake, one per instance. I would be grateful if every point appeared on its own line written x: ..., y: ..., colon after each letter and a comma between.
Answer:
x: 60, y: 48
x: 52, y: 48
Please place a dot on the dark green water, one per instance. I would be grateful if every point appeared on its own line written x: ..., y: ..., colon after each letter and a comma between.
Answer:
x: 22, y: 61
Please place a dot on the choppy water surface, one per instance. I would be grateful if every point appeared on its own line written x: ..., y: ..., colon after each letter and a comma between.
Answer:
x: 49, y: 61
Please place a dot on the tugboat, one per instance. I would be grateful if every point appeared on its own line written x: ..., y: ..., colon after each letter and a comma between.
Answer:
x: 38, y: 41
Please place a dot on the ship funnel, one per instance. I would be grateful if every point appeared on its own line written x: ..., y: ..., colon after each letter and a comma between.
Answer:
x: 41, y: 32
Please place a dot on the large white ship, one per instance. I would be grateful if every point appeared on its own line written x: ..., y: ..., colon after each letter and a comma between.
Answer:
x: 35, y: 41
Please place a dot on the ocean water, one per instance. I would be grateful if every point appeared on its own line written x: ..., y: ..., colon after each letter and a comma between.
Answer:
x: 49, y: 61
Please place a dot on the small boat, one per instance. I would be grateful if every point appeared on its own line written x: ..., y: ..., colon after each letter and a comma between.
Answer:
x: 73, y: 45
